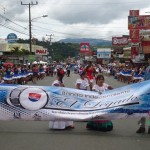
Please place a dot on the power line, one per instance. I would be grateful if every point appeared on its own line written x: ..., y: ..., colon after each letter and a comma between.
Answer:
x: 100, y: 3
x: 13, y: 29
x: 3, y: 8
x: 7, y: 19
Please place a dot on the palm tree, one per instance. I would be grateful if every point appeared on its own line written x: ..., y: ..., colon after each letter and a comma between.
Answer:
x: 24, y: 52
x: 16, y: 52
x: 19, y: 52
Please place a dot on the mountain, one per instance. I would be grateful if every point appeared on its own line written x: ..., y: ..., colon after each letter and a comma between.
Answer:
x: 93, y: 42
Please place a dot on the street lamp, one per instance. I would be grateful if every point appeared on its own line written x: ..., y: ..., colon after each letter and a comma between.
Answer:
x: 30, y: 34
x: 39, y: 17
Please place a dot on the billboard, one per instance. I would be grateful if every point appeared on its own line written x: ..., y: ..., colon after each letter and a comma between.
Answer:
x: 118, y: 41
x: 139, y: 22
x: 84, y: 47
x: 41, y: 52
x: 134, y: 13
x: 103, y: 53
x: 135, y: 35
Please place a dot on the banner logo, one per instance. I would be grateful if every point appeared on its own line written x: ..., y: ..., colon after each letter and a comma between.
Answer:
x: 119, y: 41
x: 34, y: 97
x: 84, y: 47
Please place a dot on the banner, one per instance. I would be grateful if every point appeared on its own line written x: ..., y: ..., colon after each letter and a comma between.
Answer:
x: 118, y: 41
x: 139, y: 22
x: 135, y: 35
x: 84, y: 47
x: 20, y: 102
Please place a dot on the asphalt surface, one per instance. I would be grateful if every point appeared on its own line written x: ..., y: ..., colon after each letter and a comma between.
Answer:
x: 35, y: 135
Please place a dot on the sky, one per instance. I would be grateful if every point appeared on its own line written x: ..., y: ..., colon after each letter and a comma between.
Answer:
x: 98, y: 19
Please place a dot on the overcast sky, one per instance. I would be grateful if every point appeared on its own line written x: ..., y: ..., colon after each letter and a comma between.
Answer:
x: 99, y: 19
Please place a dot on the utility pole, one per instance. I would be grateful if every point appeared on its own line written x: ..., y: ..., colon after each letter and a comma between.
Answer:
x: 50, y: 38
x: 30, y: 34
x: 50, y: 43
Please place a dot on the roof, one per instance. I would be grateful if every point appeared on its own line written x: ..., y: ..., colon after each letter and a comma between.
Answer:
x: 5, y: 47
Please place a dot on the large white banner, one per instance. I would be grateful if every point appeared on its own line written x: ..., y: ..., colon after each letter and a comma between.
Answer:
x: 59, y: 103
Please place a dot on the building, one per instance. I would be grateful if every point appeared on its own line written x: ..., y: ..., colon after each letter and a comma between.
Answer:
x: 38, y: 53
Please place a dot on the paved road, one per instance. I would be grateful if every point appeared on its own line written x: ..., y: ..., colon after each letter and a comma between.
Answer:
x: 35, y: 135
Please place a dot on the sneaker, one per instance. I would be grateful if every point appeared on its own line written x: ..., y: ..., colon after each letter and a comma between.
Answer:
x: 141, y: 130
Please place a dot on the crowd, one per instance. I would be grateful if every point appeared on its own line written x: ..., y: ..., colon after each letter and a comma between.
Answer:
x: 24, y: 73
x: 91, y: 77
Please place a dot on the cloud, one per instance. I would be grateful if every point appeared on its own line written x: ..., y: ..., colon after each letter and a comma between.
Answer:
x: 92, y: 11
x: 71, y: 18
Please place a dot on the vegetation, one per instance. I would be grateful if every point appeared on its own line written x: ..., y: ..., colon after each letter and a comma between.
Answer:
x: 58, y: 51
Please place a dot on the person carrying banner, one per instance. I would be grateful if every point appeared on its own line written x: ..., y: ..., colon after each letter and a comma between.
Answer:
x: 83, y: 82
x: 142, y: 121
x: 60, y: 125
x: 102, y: 124
x: 100, y: 86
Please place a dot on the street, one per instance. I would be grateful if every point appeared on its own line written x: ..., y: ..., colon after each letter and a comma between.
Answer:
x: 35, y: 135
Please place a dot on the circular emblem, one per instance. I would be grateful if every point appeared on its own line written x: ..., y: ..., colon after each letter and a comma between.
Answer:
x: 13, y: 98
x: 29, y: 98
x: 33, y: 98
x: 12, y: 38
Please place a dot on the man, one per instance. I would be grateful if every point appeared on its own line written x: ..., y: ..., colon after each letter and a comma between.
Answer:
x: 142, y: 121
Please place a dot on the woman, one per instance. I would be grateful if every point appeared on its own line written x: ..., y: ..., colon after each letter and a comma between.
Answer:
x: 8, y: 75
x: 60, y: 125
x: 89, y: 71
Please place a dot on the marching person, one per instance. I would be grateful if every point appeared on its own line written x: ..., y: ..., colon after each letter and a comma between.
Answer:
x: 100, y: 86
x: 89, y: 71
x: 142, y: 121
x: 68, y: 68
x: 60, y: 125
x: 100, y: 124
x: 83, y: 82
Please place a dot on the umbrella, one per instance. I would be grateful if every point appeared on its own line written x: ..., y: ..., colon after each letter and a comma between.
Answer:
x: 8, y: 64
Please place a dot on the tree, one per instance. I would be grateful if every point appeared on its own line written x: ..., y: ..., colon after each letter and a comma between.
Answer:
x: 24, y: 52
x: 16, y: 51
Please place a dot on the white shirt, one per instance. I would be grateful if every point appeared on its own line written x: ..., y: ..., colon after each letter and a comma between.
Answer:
x: 100, y: 88
x: 83, y: 83
x: 56, y: 83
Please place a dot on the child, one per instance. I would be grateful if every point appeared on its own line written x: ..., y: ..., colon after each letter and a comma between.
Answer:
x: 100, y: 125
x: 100, y: 86
x: 83, y: 82
x: 60, y: 124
